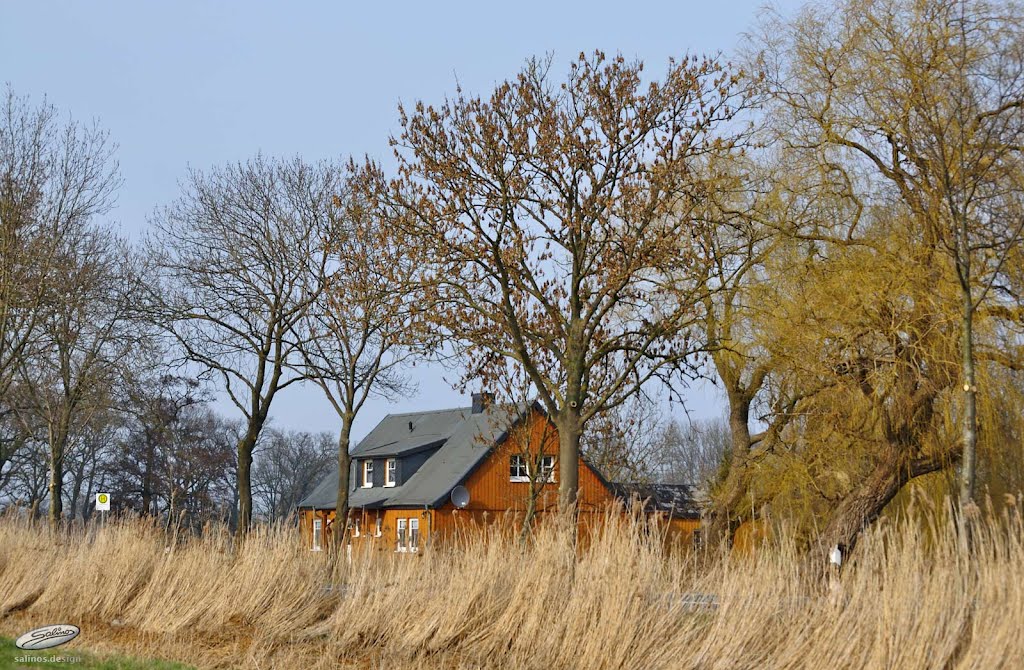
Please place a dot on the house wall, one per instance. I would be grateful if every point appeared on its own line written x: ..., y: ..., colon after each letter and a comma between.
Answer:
x: 489, y: 486
x: 306, y: 517
x: 680, y: 532
x: 447, y: 523
x: 749, y: 536
x: 367, y: 538
x: 388, y: 539
x: 493, y: 497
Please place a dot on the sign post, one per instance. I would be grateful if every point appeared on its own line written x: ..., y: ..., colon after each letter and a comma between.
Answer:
x: 103, y: 506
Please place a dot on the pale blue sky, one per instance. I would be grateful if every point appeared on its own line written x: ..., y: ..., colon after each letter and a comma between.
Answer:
x: 201, y: 83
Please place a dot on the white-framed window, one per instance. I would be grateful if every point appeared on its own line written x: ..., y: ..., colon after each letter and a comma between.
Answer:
x: 380, y: 526
x: 391, y: 472
x: 318, y: 534
x: 400, y: 533
x: 355, y: 526
x: 547, y: 468
x: 367, y: 474
x: 517, y: 469
x: 414, y: 534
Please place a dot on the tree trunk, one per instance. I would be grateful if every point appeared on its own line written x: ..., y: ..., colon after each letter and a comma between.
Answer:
x: 864, y: 504
x: 721, y: 521
x: 569, y: 433
x: 528, y: 516
x: 58, y: 443
x: 341, y: 503
x: 147, y: 479
x: 970, y: 421
x: 56, y: 488
x: 77, y: 479
x: 245, y: 449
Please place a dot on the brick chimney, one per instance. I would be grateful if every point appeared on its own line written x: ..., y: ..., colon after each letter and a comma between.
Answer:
x: 482, y: 401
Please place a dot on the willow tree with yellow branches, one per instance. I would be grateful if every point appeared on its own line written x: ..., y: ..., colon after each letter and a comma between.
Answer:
x: 923, y: 103
x: 870, y: 328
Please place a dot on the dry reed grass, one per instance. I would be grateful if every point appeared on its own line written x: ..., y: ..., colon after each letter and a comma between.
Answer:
x: 915, y: 597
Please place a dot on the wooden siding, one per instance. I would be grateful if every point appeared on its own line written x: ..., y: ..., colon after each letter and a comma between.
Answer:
x: 388, y: 539
x: 368, y: 538
x: 749, y: 536
x: 493, y: 497
x: 306, y: 517
x: 448, y: 523
x: 489, y: 486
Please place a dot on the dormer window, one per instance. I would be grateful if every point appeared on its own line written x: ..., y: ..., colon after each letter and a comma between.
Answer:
x: 367, y: 474
x: 391, y: 472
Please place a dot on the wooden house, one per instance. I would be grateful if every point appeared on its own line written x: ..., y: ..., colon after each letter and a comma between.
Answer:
x: 403, y: 474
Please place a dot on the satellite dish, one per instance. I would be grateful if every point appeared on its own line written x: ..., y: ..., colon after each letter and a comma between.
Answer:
x: 460, y: 497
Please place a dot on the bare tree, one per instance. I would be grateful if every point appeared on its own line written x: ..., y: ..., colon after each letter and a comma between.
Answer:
x: 693, y: 452
x: 55, y: 179
x: 358, y: 336
x: 28, y: 476
x: 241, y: 259
x: 156, y: 416
x: 86, y: 340
x: 622, y: 443
x: 13, y: 438
x: 553, y: 225
x: 288, y: 464
x: 201, y: 468
x: 89, y: 454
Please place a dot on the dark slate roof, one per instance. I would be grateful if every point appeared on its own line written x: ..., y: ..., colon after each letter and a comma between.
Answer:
x: 463, y: 438
x: 401, y: 434
x: 325, y: 494
x: 453, y: 462
x: 676, y: 500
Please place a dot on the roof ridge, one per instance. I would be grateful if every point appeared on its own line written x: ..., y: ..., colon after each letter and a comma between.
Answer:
x: 431, y: 411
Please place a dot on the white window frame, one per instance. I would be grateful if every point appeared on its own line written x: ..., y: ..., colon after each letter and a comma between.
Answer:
x: 522, y: 466
x: 355, y: 526
x: 401, y: 535
x: 368, y: 473
x: 318, y: 534
x: 547, y: 465
x: 391, y: 472
x: 414, y: 534
x: 380, y: 527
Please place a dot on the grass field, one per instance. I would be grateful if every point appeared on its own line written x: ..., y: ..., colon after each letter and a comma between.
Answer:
x: 12, y: 657
x: 914, y: 597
